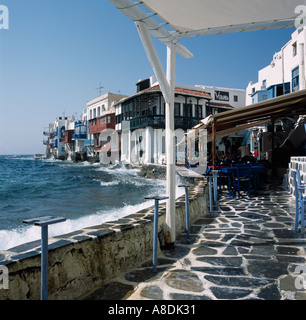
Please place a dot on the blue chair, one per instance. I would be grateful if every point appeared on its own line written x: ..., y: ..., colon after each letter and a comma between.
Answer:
x: 300, y: 200
x: 242, y: 179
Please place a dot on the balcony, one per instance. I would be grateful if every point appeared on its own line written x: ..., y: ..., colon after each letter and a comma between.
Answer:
x: 80, y: 136
x: 89, y: 143
x: 158, y: 121
x: 147, y: 121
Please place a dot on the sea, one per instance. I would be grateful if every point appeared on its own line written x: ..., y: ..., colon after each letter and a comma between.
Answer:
x: 85, y: 194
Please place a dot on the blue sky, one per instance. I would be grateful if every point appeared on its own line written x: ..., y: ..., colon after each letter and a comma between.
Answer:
x: 56, y: 53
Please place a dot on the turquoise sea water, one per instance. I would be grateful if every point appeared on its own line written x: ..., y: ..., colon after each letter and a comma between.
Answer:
x: 86, y: 194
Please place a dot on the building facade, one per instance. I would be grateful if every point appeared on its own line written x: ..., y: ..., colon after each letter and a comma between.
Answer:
x: 227, y: 97
x: 101, y: 116
x: 140, y: 118
x: 56, y: 138
x: 285, y: 74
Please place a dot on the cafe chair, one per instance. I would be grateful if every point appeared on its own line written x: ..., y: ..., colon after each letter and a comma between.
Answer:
x: 242, y: 179
x: 300, y: 201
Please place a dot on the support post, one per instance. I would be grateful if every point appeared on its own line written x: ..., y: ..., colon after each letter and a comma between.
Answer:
x: 274, y: 169
x: 169, y: 115
x: 155, y: 235
x: 213, y: 147
x: 167, y: 85
x: 44, y: 263
x: 186, y: 186
x: 215, y: 182
x: 155, y: 229
x: 210, y: 196
x: 44, y: 222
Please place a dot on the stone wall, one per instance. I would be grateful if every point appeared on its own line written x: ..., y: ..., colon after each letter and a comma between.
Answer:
x: 84, y: 259
x: 296, y: 163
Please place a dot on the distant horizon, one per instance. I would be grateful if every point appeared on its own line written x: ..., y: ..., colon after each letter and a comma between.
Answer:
x: 20, y: 154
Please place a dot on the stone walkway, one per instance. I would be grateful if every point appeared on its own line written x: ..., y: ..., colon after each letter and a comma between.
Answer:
x: 246, y: 251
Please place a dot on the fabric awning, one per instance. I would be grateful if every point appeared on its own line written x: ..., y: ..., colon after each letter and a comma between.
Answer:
x: 226, y: 123
x: 292, y: 104
x: 201, y: 17
x: 171, y: 20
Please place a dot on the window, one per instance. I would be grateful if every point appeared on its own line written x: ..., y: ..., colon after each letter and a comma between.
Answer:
x: 294, y: 47
x: 94, y: 112
x: 295, y: 79
x: 163, y: 144
x: 253, y: 90
x: 90, y: 114
x: 198, y: 111
x: 188, y: 110
x: 177, y: 107
x: 109, y: 119
x: 264, y: 84
x: 99, y: 112
x: 235, y: 98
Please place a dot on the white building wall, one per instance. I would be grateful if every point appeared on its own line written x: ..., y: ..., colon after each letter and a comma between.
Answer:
x: 152, y: 142
x: 233, y: 97
x: 291, y: 55
x: 102, y: 105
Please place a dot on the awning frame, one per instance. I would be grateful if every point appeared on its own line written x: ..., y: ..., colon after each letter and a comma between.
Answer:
x: 147, y: 25
x: 222, y: 124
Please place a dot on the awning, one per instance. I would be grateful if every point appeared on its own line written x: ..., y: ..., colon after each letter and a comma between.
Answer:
x: 292, y: 104
x: 195, y: 18
x: 226, y: 123
x: 201, y: 17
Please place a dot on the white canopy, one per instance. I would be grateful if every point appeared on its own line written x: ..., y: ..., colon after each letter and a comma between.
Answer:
x: 198, y: 17
x: 191, y: 18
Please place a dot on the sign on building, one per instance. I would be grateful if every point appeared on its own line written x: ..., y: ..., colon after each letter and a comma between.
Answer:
x: 221, y: 95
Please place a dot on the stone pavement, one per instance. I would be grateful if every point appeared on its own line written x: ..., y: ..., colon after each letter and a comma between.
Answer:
x: 247, y: 251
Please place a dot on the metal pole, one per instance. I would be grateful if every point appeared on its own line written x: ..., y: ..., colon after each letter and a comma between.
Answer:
x: 215, y: 182
x: 170, y: 149
x: 210, y: 196
x: 155, y: 230
x: 167, y: 85
x: 187, y: 212
x: 187, y: 209
x: 44, y: 263
x: 44, y: 222
x: 155, y: 235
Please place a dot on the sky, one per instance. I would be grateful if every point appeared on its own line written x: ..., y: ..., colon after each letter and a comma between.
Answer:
x: 56, y: 53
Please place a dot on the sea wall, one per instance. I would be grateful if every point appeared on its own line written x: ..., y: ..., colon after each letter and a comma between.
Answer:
x: 84, y: 259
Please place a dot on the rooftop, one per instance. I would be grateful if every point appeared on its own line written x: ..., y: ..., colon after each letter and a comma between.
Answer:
x: 156, y: 88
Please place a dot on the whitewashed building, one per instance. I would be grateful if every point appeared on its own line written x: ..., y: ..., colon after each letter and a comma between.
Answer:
x: 57, y: 134
x: 285, y: 73
x: 140, y: 118
x: 100, y: 117
x: 231, y: 97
